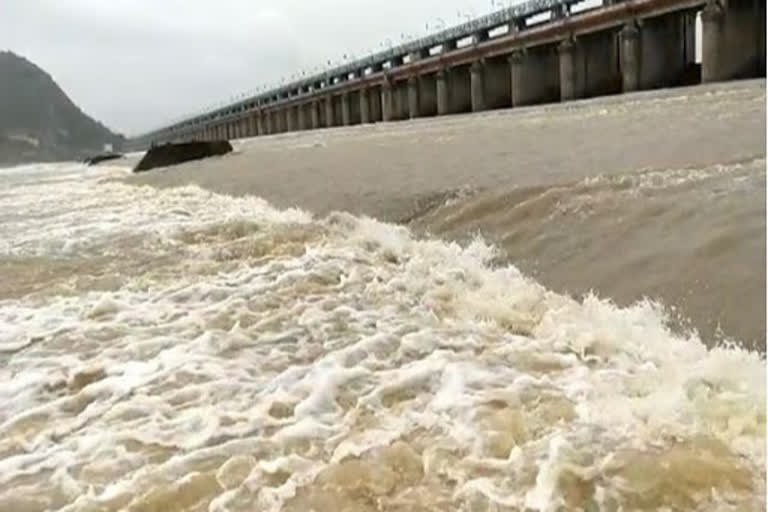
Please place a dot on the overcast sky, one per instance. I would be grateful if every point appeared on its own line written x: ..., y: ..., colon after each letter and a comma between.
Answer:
x: 136, y: 64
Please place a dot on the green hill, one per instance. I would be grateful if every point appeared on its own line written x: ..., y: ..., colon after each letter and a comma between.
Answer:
x: 38, y: 122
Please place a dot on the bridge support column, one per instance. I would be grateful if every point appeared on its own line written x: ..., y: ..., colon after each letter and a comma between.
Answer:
x: 365, y: 107
x: 302, y: 117
x: 387, y: 104
x: 262, y: 123
x: 733, y: 39
x: 315, y: 114
x: 630, y: 57
x: 477, y: 86
x: 374, y: 103
x: 516, y: 77
x: 244, y: 127
x: 346, y: 114
x: 413, y: 97
x: 291, y: 115
x: 712, y: 42
x: 329, y: 117
x: 567, y: 70
x: 442, y: 93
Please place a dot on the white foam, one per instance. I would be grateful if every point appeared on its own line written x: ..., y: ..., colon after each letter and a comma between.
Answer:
x: 301, y: 359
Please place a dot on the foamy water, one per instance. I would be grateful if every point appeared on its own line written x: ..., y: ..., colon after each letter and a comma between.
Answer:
x: 182, y: 350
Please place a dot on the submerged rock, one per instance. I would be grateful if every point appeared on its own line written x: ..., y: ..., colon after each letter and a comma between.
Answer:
x: 93, y: 160
x: 172, y: 154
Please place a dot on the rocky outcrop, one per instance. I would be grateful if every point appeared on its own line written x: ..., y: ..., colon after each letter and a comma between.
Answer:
x: 172, y: 154
x: 39, y: 122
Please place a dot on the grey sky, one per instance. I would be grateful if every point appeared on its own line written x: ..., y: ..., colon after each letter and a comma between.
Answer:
x: 136, y: 64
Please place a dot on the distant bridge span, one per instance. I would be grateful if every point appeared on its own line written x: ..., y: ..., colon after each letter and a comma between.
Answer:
x: 509, y: 58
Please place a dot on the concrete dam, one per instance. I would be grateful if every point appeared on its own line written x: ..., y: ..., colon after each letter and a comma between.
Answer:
x: 541, y: 51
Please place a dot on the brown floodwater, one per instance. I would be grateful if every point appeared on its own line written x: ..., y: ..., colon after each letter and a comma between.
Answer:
x: 402, y: 342
x: 657, y: 195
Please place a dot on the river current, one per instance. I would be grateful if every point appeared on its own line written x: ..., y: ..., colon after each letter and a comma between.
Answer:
x: 181, y: 350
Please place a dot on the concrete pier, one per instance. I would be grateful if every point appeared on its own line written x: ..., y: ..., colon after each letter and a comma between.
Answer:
x: 733, y: 39
x: 330, y: 118
x: 567, y: 49
x: 302, y: 117
x: 387, y: 102
x: 442, y: 93
x: 314, y: 109
x: 630, y: 57
x: 346, y: 115
x: 365, y: 107
x: 413, y: 97
x: 477, y: 86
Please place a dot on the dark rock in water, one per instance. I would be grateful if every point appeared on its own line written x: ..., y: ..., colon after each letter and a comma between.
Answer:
x: 172, y: 154
x: 93, y: 160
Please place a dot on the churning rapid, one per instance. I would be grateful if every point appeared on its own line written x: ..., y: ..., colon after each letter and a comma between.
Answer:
x: 176, y: 349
